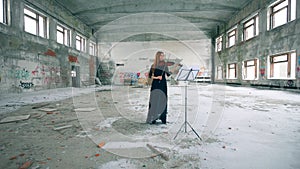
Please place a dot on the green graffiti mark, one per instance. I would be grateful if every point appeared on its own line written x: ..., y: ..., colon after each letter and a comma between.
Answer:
x: 22, y: 74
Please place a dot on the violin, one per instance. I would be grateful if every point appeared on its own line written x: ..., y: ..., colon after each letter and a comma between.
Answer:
x: 164, y: 63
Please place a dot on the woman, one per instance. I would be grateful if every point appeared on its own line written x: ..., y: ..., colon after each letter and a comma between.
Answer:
x: 158, y: 94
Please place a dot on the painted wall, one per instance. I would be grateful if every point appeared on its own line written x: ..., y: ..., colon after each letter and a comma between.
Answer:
x: 29, y: 62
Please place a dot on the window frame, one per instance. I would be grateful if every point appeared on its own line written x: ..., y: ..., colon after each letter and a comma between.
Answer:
x: 38, y: 16
x: 234, y: 29
x: 219, y: 72
x: 229, y: 68
x: 92, y: 44
x: 219, y: 43
x: 82, y: 41
x: 255, y: 19
x: 5, y: 12
x: 290, y: 16
x: 65, y: 32
x: 290, y: 60
x: 255, y: 65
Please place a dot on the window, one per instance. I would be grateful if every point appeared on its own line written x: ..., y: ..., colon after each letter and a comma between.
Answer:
x: 282, y: 66
x: 231, y: 37
x: 281, y: 12
x: 232, y: 71
x: 63, y: 35
x: 219, y: 72
x: 92, y: 48
x: 3, y: 11
x: 219, y: 43
x: 35, y: 23
x: 80, y: 43
x: 250, y: 28
x: 250, y: 69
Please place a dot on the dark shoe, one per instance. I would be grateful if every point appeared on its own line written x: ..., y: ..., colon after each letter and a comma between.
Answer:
x: 153, y: 122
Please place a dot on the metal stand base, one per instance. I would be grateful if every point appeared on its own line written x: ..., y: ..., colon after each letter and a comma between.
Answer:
x: 185, y: 124
x: 185, y: 119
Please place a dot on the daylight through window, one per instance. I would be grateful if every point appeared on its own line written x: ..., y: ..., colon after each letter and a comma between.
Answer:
x: 282, y: 12
x: 232, y: 71
x: 250, y: 69
x: 63, y: 35
x: 3, y: 11
x: 250, y: 28
x: 80, y: 43
x: 35, y: 23
x: 282, y: 66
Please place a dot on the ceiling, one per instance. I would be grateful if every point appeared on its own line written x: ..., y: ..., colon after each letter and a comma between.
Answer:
x: 146, y: 20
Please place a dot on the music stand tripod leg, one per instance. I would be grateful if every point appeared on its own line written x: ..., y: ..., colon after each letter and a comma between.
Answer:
x: 194, y: 131
x: 179, y: 130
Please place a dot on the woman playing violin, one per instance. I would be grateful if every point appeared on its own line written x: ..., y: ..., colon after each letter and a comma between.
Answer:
x: 158, y: 93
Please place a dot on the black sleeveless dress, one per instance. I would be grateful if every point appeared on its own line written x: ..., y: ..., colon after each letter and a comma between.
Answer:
x: 158, y: 95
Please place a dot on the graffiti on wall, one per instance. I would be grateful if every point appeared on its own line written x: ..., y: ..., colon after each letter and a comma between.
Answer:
x: 20, y: 74
x: 26, y: 85
x: 262, y: 69
x: 128, y: 75
x: 45, y: 75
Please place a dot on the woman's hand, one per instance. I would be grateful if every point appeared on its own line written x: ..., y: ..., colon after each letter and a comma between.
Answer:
x: 157, y: 77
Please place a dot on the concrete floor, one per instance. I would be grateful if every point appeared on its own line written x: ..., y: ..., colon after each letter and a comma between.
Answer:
x: 240, y: 128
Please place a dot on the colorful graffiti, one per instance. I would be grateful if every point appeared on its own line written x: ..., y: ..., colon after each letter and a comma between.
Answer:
x: 44, y: 75
x: 26, y: 85
x: 125, y: 76
x: 20, y: 74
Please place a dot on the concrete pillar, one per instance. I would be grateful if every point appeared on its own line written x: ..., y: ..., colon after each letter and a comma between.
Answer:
x: 213, y: 66
x: 52, y: 29
x: 297, y: 9
x: 73, y: 39
x: 17, y: 16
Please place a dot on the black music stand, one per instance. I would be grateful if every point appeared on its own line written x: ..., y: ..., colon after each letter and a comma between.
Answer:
x: 187, y: 75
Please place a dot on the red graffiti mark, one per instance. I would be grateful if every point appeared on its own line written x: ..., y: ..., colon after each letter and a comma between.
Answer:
x: 35, y: 71
x: 298, y: 69
x: 73, y: 59
x: 50, y: 53
x: 262, y: 71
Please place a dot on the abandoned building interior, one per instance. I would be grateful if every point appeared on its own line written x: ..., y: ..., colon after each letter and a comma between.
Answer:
x: 106, y: 47
x: 69, y: 43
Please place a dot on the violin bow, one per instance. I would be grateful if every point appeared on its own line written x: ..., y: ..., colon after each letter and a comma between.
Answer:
x: 165, y: 65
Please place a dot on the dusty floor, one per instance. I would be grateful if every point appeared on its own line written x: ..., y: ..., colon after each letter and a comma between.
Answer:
x: 251, y: 126
x: 35, y: 140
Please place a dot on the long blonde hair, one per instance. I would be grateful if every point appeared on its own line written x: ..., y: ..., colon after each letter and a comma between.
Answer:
x: 156, y: 60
